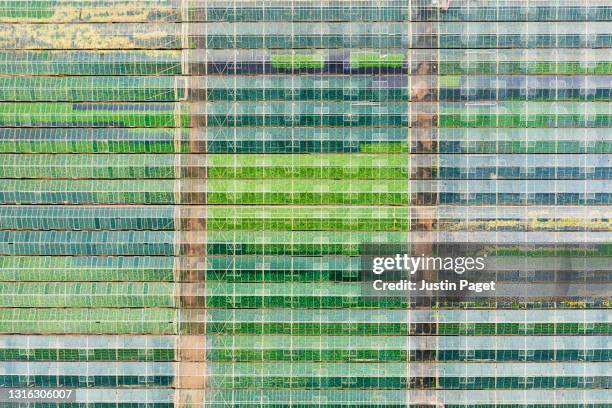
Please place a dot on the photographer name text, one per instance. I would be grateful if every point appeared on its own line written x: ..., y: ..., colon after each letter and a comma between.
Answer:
x: 440, y: 286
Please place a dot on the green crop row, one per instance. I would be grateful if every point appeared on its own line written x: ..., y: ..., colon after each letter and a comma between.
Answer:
x: 302, y: 94
x: 525, y: 121
x: 94, y: 321
x: 67, y: 114
x: 307, y: 224
x: 28, y: 9
x: 520, y: 68
x: 390, y: 382
x: 309, y: 198
x: 285, y: 249
x: 375, y: 60
x: 289, y: 171
x: 359, y: 302
x: 388, y: 355
x: 89, y: 354
x: 91, y: 146
x: 97, y: 172
x: 52, y: 67
x: 403, y: 329
x: 297, y: 61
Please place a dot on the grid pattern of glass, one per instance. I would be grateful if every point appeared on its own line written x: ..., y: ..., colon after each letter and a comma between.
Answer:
x: 331, y: 124
x: 91, y: 121
x: 185, y: 186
